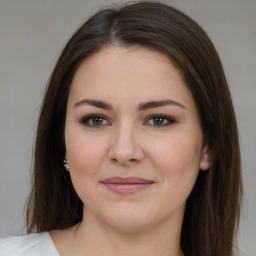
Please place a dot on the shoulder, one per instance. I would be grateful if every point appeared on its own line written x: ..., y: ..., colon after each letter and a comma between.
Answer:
x: 35, y: 244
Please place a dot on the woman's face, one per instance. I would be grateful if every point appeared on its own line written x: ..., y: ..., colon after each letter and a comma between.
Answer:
x: 133, y: 139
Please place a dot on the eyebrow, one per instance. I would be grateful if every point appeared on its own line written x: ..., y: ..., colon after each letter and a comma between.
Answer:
x: 96, y: 103
x: 142, y: 106
x: 159, y: 103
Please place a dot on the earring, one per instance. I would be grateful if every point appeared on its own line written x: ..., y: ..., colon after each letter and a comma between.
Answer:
x: 66, y: 164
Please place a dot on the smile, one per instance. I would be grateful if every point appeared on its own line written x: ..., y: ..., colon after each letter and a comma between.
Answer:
x: 128, y: 185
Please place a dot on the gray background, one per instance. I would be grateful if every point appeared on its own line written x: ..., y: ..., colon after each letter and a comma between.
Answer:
x: 32, y: 34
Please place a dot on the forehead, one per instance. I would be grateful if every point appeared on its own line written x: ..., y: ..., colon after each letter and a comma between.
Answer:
x: 124, y: 72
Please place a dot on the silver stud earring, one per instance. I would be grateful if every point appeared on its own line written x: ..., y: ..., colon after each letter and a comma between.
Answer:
x: 66, y: 164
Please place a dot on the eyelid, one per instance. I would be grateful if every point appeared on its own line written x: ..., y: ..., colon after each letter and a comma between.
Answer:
x: 170, y: 120
x: 86, y: 118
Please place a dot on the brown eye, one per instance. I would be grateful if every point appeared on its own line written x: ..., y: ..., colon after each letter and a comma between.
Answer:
x: 95, y: 121
x: 160, y: 121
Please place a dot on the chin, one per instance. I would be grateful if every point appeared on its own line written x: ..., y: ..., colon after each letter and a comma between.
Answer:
x: 129, y: 219
x: 130, y: 225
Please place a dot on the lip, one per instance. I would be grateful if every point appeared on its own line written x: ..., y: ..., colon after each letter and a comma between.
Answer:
x: 128, y: 185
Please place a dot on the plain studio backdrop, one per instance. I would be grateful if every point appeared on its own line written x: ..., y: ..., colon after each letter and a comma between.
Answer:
x: 32, y: 34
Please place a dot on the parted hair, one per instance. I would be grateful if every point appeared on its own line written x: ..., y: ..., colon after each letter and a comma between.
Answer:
x: 213, y: 207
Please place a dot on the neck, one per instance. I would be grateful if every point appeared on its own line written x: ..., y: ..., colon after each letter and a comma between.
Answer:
x: 95, y: 238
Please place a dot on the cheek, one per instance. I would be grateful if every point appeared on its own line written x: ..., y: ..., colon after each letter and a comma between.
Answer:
x: 178, y: 161
x: 84, y: 158
x: 180, y: 151
x: 84, y: 154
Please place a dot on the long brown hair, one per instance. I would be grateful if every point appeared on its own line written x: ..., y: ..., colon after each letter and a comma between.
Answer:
x: 213, y: 207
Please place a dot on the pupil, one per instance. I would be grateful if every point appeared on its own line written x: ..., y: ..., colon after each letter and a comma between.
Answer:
x: 97, y: 121
x: 158, y: 120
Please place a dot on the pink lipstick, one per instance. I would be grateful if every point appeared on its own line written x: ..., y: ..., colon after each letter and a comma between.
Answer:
x: 127, y: 185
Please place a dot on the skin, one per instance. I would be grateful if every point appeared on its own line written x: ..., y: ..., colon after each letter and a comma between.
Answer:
x: 125, y: 141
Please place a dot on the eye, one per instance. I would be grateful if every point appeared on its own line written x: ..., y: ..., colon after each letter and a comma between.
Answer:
x: 160, y: 120
x: 95, y: 120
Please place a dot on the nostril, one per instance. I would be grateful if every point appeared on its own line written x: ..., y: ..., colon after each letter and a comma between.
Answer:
x: 125, y: 153
x: 123, y: 161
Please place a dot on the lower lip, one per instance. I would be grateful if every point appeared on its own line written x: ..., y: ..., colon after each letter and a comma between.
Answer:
x: 126, y: 189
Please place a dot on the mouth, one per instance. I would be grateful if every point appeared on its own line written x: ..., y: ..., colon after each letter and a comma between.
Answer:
x: 127, y: 185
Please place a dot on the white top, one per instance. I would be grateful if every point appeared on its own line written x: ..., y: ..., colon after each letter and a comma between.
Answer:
x: 36, y: 244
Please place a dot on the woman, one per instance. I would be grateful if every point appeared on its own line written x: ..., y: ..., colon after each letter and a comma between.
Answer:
x: 137, y: 148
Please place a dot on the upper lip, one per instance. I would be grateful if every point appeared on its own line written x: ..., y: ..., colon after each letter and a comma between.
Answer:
x: 126, y: 180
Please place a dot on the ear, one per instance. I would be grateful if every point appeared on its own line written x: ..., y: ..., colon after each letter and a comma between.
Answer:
x: 205, y: 162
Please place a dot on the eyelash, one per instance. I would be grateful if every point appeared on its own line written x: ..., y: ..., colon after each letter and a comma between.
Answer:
x: 169, y: 120
x: 85, y: 120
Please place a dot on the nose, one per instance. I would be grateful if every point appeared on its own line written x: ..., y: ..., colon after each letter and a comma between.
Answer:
x: 125, y: 147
